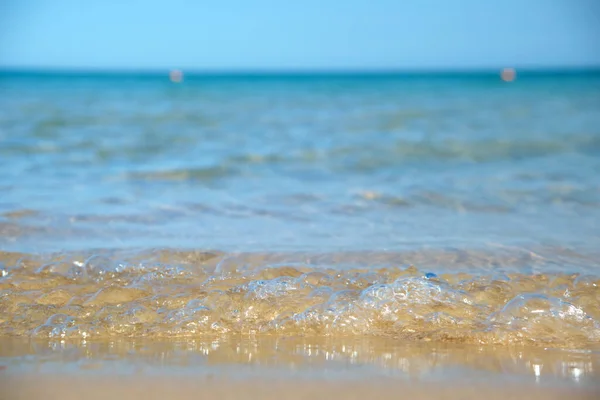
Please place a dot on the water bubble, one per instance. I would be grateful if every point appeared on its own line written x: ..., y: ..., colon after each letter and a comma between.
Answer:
x: 544, y: 318
x: 322, y: 292
x: 100, y: 267
x: 116, y: 295
x: 265, y: 289
x: 227, y: 266
x: 49, y: 331
x: 363, y: 280
x: 315, y: 278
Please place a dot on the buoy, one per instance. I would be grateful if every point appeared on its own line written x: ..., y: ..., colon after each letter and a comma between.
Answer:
x: 176, y: 76
x: 508, y: 74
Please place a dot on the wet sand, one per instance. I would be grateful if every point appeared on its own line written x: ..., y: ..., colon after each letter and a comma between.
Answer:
x: 64, y: 387
x: 291, y: 368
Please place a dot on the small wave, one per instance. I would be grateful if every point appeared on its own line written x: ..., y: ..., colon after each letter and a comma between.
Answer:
x: 71, y: 297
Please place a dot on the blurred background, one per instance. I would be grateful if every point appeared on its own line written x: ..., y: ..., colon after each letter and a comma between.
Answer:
x: 462, y: 126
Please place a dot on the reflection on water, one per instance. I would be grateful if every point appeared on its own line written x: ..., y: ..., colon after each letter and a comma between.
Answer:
x: 279, y: 356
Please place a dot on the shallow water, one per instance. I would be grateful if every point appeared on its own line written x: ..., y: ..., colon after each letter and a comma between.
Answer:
x: 192, y: 294
x: 454, y: 209
x: 274, y: 163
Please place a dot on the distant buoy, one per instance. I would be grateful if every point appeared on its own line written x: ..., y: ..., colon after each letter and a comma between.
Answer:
x: 508, y: 74
x: 176, y: 76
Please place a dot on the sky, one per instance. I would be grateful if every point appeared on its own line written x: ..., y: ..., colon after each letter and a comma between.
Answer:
x: 298, y: 35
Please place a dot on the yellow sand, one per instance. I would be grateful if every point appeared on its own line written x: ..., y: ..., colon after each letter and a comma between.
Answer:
x: 63, y: 387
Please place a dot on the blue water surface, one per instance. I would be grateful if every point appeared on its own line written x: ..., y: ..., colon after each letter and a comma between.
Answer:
x: 300, y: 162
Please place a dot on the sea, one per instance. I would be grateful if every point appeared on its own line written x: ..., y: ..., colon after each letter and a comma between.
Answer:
x: 324, y: 220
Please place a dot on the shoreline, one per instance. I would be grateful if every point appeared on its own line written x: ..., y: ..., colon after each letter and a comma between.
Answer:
x: 64, y: 387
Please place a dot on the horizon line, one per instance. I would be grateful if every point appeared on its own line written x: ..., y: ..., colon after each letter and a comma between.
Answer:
x: 293, y: 71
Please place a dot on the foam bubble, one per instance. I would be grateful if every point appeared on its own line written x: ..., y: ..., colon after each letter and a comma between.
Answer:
x: 101, y: 296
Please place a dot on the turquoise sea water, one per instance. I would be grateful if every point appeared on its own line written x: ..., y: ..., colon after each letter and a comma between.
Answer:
x: 300, y: 162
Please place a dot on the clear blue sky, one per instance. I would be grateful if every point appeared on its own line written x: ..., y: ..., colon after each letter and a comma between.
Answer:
x: 307, y: 34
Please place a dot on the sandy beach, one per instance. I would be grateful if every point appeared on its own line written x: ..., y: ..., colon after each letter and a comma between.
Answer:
x: 66, y: 387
